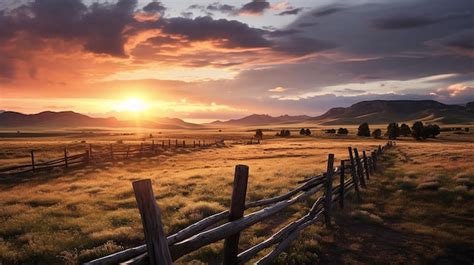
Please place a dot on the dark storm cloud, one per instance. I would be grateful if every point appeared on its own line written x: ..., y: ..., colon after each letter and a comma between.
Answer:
x: 283, y: 33
x: 235, y: 33
x: 99, y: 26
x: 407, y: 22
x: 327, y: 11
x: 256, y: 7
x: 154, y: 7
x: 223, y: 8
x: 294, y: 11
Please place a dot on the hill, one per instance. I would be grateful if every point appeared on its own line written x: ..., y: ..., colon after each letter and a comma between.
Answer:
x: 385, y: 111
x: 262, y: 119
x: 70, y: 119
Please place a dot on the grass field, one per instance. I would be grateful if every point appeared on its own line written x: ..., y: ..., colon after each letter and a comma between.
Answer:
x: 421, y: 205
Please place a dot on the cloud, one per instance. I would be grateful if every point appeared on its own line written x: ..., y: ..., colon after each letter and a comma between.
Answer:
x: 326, y: 11
x: 455, y: 90
x: 223, y: 8
x: 277, y: 89
x: 154, y: 7
x: 294, y: 11
x: 256, y: 7
x: 408, y: 22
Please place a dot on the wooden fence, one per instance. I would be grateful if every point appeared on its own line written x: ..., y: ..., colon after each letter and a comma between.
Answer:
x: 100, y: 154
x: 351, y: 175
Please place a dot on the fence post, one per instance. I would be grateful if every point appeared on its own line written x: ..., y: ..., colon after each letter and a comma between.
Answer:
x: 380, y: 150
x: 366, y: 165
x: 176, y: 142
x: 163, y: 144
x: 360, y: 170
x: 328, y: 194
x: 65, y: 157
x: 33, y: 167
x: 87, y: 157
x: 341, y: 187
x: 374, y: 160
x: 194, y: 143
x: 355, y: 178
x: 111, y: 152
x: 184, y: 143
x: 237, y: 207
x: 157, y: 246
x: 169, y: 143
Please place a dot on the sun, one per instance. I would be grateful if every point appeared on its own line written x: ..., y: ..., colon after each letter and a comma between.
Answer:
x: 133, y: 105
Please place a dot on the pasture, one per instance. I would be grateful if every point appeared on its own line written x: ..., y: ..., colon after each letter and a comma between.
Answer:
x: 76, y: 215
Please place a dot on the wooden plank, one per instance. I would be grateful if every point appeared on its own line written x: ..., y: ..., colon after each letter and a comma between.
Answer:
x: 237, y: 207
x: 157, y: 246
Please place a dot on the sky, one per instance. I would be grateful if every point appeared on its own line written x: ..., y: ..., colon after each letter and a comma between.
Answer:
x: 207, y: 60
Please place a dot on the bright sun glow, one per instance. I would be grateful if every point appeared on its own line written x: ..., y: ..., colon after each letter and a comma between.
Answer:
x: 133, y: 105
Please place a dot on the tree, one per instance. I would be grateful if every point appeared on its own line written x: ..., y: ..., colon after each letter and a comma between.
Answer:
x: 405, y: 130
x: 417, y: 130
x: 302, y: 131
x: 287, y: 133
x: 377, y: 133
x: 307, y: 132
x: 364, y: 130
x: 393, y: 131
x: 430, y: 131
x: 342, y: 131
x: 259, y: 134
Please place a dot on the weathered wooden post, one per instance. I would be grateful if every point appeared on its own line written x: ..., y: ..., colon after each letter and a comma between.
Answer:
x: 355, y: 178
x: 360, y: 170
x: 366, y: 164
x: 374, y: 160
x: 199, y: 143
x: 157, y: 246
x: 380, y: 150
x: 341, y: 186
x: 237, y: 207
x: 194, y: 143
x: 184, y: 143
x: 65, y: 158
x: 87, y: 157
x: 111, y: 152
x: 33, y: 167
x: 328, y: 193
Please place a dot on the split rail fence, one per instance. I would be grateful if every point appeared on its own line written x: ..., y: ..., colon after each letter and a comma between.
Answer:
x: 338, y: 181
x: 108, y: 153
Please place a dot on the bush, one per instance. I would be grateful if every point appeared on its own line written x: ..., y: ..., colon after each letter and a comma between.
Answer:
x: 364, y: 130
x: 284, y: 133
x: 393, y: 131
x: 377, y: 133
x: 405, y: 130
x: 259, y: 134
x: 342, y: 131
x: 302, y: 131
x: 419, y: 131
x: 306, y: 131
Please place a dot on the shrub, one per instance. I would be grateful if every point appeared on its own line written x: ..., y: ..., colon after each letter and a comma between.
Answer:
x: 307, y: 132
x: 342, y: 131
x: 405, y: 130
x: 377, y: 133
x: 259, y: 134
x: 302, y: 131
x: 393, y: 131
x: 364, y: 130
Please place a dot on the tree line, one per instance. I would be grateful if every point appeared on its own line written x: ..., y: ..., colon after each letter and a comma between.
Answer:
x: 418, y: 131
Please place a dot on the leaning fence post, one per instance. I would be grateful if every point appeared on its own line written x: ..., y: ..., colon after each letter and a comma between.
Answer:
x: 355, y: 178
x: 157, y: 246
x: 33, y: 167
x: 366, y: 165
x: 65, y: 157
x: 341, y: 187
x: 237, y: 207
x: 374, y: 160
x: 328, y: 194
x: 359, y: 168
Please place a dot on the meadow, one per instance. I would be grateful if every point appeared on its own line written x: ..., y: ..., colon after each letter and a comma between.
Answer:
x: 417, y: 210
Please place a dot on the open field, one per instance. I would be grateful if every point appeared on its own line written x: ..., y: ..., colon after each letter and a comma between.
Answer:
x: 423, y: 197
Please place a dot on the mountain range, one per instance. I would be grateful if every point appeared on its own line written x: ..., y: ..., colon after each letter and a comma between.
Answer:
x: 375, y: 111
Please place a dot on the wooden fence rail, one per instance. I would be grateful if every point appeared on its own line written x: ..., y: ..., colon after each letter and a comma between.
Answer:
x: 112, y: 153
x: 228, y: 224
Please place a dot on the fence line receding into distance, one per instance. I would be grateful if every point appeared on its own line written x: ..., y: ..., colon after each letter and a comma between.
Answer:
x: 336, y: 183
x: 112, y: 152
